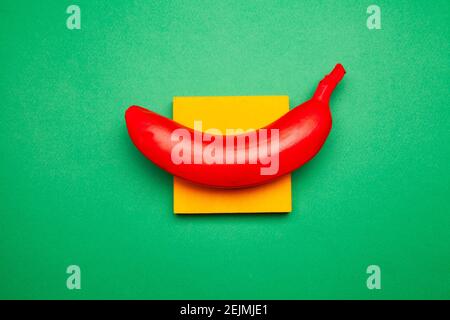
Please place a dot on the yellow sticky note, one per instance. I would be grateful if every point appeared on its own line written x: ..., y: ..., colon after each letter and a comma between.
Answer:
x: 223, y: 113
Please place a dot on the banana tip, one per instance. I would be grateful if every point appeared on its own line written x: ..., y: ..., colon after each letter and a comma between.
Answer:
x: 337, y: 74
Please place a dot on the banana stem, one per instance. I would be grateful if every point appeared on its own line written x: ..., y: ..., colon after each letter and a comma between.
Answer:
x: 329, y: 83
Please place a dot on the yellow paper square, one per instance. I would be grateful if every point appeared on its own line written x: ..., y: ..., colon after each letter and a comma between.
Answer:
x: 231, y: 113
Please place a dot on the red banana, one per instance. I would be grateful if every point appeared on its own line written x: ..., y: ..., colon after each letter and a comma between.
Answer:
x: 298, y: 136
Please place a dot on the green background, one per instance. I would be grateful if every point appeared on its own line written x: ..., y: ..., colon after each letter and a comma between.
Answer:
x: 74, y: 190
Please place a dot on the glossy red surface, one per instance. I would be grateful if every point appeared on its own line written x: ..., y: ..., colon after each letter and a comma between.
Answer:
x: 302, y: 132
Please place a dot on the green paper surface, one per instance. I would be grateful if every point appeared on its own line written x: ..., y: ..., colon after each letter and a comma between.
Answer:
x: 74, y: 190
